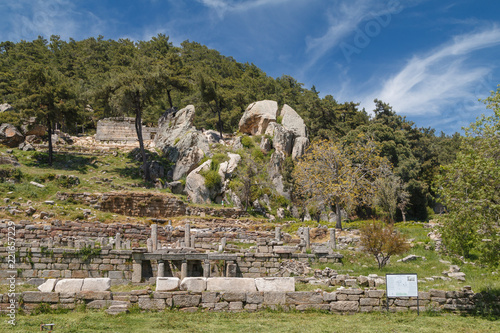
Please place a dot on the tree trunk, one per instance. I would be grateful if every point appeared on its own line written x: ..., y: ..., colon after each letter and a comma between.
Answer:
x: 339, y: 216
x: 169, y: 99
x: 138, y: 129
x: 49, y: 130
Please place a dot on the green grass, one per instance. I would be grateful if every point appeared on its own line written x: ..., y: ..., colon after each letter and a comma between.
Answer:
x: 264, y: 321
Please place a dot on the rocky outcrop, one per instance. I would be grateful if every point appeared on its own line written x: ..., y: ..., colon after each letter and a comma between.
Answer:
x: 180, y: 141
x: 282, y: 138
x: 258, y: 116
x: 293, y: 122
x: 195, y: 185
x: 274, y: 171
x: 6, y: 159
x: 10, y: 136
x: 299, y: 147
x: 227, y: 168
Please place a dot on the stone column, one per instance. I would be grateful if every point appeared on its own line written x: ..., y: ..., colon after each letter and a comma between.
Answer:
x: 231, y: 269
x: 206, y: 269
x: 154, y: 236
x: 223, y: 242
x: 137, y: 271
x: 307, y: 238
x: 149, y: 244
x: 193, y: 239
x: 187, y: 235
x: 118, y: 241
x: 277, y: 234
x: 333, y: 240
x: 161, y: 268
x: 184, y: 269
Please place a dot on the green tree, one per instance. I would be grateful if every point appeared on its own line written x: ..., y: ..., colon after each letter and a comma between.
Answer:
x: 470, y: 190
x: 49, y: 97
x: 340, y: 175
x: 390, y: 194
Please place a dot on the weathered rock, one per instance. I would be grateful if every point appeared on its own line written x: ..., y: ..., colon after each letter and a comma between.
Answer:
x: 231, y: 284
x: 266, y: 144
x: 146, y: 303
x: 275, y: 284
x: 47, y: 286
x: 5, y: 107
x: 10, y: 136
x: 282, y: 138
x: 180, y: 141
x: 6, y: 159
x: 227, y: 168
x: 167, y: 283
x: 186, y: 301
x: 195, y: 185
x: 96, y: 284
x: 299, y: 147
x: 176, y: 187
x: 212, y: 136
x: 194, y: 284
x: 293, y: 122
x: 69, y: 286
x: 257, y: 117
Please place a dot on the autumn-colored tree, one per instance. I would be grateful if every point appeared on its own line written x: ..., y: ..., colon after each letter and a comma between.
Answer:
x: 382, y: 241
x: 340, y: 175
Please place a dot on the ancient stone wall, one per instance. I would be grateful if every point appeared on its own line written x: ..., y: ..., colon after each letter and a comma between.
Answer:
x: 340, y: 301
x: 121, y: 129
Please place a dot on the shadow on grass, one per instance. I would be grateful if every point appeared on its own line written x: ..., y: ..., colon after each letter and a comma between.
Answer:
x: 62, y: 161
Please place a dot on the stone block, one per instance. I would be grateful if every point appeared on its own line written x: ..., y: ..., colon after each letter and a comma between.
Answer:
x: 345, y: 306
x: 329, y: 297
x: 118, y: 275
x: 47, y: 286
x: 369, y: 301
x: 186, y: 301
x: 96, y: 284
x: 303, y: 307
x: 167, y: 283
x: 274, y: 298
x: 235, y: 306
x: 304, y: 297
x: 147, y: 303
x: 275, y: 284
x: 40, y: 297
x: 101, y: 304
x: 94, y: 295
x: 194, y: 284
x: 221, y: 306
x: 438, y: 293
x: 231, y: 284
x: 68, y: 286
x: 375, y: 293
x: 209, y: 297
x: 255, y: 298
x: 233, y: 297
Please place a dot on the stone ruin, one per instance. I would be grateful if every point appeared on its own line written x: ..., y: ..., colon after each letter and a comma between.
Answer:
x: 121, y: 130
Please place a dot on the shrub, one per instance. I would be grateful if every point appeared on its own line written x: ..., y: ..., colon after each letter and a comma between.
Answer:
x: 382, y: 241
x: 247, y: 142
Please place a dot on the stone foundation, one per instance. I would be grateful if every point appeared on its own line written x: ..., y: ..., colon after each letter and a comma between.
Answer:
x: 121, y: 129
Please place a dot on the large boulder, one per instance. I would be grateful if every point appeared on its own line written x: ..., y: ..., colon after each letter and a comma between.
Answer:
x: 258, y: 116
x: 180, y: 141
x: 282, y: 138
x: 293, y: 122
x: 10, y: 136
x: 227, y: 168
x: 195, y: 185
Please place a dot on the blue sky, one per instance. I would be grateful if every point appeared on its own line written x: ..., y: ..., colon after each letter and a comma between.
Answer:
x: 431, y: 60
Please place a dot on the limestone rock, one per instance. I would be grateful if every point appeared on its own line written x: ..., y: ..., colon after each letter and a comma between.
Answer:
x: 5, y: 107
x: 180, y: 141
x: 282, y: 138
x: 227, y: 168
x: 167, y: 283
x: 69, y: 286
x: 47, y: 286
x: 96, y: 284
x: 212, y: 136
x: 275, y: 284
x: 299, y: 147
x: 195, y: 185
x: 5, y: 159
x: 194, y: 284
x: 176, y: 187
x: 231, y: 284
x: 293, y: 122
x: 257, y: 117
x: 10, y: 136
x: 266, y: 144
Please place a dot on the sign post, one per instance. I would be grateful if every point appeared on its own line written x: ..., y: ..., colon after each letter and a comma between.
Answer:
x: 402, y: 285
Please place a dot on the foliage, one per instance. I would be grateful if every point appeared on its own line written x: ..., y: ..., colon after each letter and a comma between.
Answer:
x: 390, y: 194
x: 247, y: 142
x: 382, y: 241
x: 470, y: 190
x: 339, y: 175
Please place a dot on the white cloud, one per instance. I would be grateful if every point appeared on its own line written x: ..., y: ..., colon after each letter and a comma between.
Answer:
x: 428, y: 84
x: 223, y: 6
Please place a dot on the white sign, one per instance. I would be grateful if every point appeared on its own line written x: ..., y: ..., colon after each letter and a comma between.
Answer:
x: 398, y: 285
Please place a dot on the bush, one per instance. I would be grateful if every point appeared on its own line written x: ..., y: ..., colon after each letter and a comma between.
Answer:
x: 382, y: 241
x: 247, y: 142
